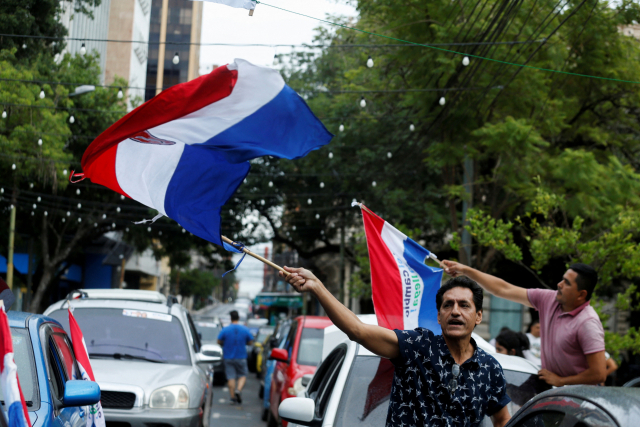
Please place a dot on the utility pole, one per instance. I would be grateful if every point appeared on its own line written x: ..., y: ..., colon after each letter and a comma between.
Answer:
x: 162, y: 47
x: 343, y: 292
x: 12, y: 233
x: 27, y: 297
x: 467, y: 203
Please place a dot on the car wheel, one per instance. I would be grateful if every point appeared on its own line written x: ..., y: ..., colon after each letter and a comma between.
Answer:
x: 261, y: 393
x: 265, y: 414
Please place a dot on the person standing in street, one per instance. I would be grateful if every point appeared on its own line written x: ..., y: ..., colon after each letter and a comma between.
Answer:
x: 570, y: 329
x: 439, y: 380
x: 234, y: 339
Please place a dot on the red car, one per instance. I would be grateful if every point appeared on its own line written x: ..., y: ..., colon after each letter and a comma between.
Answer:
x: 300, y: 355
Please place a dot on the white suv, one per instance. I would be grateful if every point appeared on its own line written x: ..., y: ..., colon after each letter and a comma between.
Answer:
x: 145, y: 354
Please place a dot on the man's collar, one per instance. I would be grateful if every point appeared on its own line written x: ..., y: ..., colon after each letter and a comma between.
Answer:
x: 474, y: 357
x: 576, y: 310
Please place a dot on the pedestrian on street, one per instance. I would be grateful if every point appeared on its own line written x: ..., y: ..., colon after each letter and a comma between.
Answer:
x: 439, y: 380
x: 234, y: 339
x: 570, y: 330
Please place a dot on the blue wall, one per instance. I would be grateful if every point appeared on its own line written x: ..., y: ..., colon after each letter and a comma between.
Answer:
x: 96, y: 275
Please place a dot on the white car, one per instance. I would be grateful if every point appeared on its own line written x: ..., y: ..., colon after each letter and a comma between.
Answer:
x: 352, y: 385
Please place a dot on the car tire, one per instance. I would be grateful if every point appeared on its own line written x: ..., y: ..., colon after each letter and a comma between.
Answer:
x: 261, y: 393
x: 265, y: 414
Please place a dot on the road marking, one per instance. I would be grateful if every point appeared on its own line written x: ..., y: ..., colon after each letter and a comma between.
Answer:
x: 225, y: 388
x: 216, y: 415
x: 221, y: 400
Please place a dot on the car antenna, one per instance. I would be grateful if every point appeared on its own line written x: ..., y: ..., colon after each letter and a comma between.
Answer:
x: 70, y: 296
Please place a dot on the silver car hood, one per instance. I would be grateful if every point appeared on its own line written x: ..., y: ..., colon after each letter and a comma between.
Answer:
x: 143, y: 378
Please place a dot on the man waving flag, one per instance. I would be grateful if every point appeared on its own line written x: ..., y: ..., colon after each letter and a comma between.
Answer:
x: 96, y: 416
x: 13, y: 398
x: 404, y: 288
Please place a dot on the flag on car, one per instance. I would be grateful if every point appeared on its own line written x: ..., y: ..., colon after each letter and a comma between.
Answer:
x: 403, y: 287
x: 13, y: 399
x: 95, y: 417
x: 186, y: 151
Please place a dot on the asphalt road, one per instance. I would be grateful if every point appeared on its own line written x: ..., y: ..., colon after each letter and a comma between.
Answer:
x: 244, y: 415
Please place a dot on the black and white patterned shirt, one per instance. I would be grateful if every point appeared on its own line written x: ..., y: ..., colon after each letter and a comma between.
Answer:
x: 420, y: 394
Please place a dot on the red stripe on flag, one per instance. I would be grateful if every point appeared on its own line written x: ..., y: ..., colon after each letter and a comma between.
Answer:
x: 6, y: 346
x: 171, y: 104
x: 78, y: 346
x: 104, y: 172
x: 386, y: 283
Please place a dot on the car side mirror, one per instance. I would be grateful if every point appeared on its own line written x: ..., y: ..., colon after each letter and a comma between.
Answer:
x: 80, y: 393
x: 306, y: 379
x: 299, y: 410
x: 279, y: 354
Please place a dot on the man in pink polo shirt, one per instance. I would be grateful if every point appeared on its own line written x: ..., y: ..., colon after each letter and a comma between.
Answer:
x: 572, y: 335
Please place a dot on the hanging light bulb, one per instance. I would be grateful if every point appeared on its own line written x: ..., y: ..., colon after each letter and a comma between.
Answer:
x: 184, y: 231
x: 270, y: 184
x: 72, y: 119
x: 159, y: 233
x: 317, y: 216
x: 341, y: 128
x: 46, y: 213
x: 32, y: 213
x: 330, y: 155
x: 83, y: 49
x: 2, y: 192
x: 309, y: 201
x: 363, y: 103
x: 389, y: 155
x: 95, y: 224
x: 64, y: 220
x: 40, y: 142
x: 370, y: 62
x: 34, y: 206
x: 262, y: 202
x: 31, y: 185
x: 148, y: 228
x: 373, y: 184
x: 68, y: 213
x: 412, y: 127
x: 113, y: 225
x: 120, y: 94
x: 126, y: 229
x: 39, y: 198
x: 176, y: 59
x: 64, y: 172
x: 79, y: 206
x: 322, y: 185
x: 465, y: 61
x: 293, y: 228
x: 79, y: 219
x: 4, y: 114
x: 78, y: 191
x: 13, y: 166
x: 442, y: 101
x: 104, y: 216
x: 118, y: 209
x: 121, y: 197
x: 42, y: 95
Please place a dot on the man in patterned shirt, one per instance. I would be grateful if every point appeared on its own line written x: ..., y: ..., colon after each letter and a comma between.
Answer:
x: 440, y: 380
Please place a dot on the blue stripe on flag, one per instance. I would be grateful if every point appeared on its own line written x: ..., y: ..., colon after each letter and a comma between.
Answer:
x: 16, y: 415
x: 284, y: 127
x: 201, y: 184
x: 415, y: 256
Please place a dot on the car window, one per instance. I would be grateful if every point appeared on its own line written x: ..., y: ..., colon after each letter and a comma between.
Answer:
x: 56, y: 374
x: 67, y: 358
x: 209, y: 331
x: 365, y: 398
x: 291, y: 336
x: 329, y: 380
x: 129, y: 334
x: 542, y: 419
x: 310, y: 347
x: 194, y: 333
x: 283, y: 333
x: 23, y: 357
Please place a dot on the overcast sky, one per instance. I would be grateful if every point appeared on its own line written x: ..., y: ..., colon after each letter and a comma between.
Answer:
x: 224, y: 24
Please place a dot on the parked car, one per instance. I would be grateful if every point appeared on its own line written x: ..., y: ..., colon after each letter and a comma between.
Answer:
x: 46, y: 365
x: 277, y: 340
x: 146, y: 356
x: 352, y: 385
x: 208, y: 330
x: 581, y: 406
x: 299, y: 356
x: 254, y: 355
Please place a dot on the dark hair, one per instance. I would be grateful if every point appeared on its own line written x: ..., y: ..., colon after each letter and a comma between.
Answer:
x: 533, y: 322
x: 586, y: 279
x: 461, y: 282
x: 512, y: 340
x: 234, y: 315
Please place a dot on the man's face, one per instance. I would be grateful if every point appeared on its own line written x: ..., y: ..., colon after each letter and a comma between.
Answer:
x: 457, y: 315
x: 568, y: 292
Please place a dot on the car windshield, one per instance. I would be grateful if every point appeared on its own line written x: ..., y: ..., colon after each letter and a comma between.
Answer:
x: 23, y: 356
x: 375, y: 375
x: 310, y: 348
x: 130, y: 334
x: 209, y: 331
x: 263, y: 333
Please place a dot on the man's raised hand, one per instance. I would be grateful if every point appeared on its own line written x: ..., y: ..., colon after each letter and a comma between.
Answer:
x: 302, y: 280
x: 452, y: 268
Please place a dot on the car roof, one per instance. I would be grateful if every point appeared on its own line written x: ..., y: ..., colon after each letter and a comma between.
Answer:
x: 314, y: 322
x: 112, y: 303
x: 20, y: 319
x: 125, y: 294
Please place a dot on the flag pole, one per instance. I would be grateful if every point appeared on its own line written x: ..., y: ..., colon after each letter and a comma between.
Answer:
x: 256, y: 256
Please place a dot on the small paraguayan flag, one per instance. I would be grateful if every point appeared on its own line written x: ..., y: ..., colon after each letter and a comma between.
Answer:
x: 403, y: 287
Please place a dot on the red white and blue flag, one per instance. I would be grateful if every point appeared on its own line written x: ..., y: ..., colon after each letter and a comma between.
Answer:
x: 11, y: 391
x: 96, y: 415
x: 186, y: 151
x: 403, y: 287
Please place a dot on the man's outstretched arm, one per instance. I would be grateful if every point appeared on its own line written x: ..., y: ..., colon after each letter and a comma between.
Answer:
x: 376, y: 339
x: 491, y: 284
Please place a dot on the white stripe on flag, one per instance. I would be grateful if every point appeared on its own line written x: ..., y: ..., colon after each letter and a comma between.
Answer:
x: 412, y: 283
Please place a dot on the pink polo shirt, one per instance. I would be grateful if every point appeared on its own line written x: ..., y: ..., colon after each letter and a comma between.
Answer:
x: 566, y: 337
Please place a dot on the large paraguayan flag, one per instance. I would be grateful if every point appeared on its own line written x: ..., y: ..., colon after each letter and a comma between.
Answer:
x: 13, y: 399
x: 404, y: 288
x: 95, y: 418
x: 186, y: 151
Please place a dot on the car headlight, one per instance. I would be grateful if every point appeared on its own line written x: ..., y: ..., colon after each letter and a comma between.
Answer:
x: 170, y: 397
x: 297, y: 387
